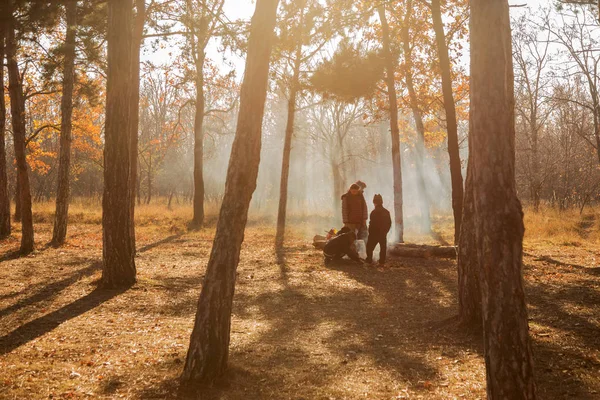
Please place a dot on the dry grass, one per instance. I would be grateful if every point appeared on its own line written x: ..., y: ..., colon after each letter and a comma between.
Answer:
x: 567, y: 228
x: 299, y: 330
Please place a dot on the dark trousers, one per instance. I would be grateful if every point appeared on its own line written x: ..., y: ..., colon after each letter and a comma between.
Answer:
x: 373, y: 241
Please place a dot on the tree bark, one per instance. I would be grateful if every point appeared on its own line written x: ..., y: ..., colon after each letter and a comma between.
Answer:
x: 394, y: 128
x: 420, y: 127
x: 17, y: 198
x: 198, y: 218
x: 498, y: 215
x: 118, y: 253
x: 287, y: 148
x: 5, y: 227
x: 338, y: 186
x: 17, y: 106
x: 138, y: 38
x: 469, y: 291
x: 451, y: 124
x: 149, y: 193
x: 199, y: 34
x: 535, y: 161
x: 209, y: 344
x: 66, y: 109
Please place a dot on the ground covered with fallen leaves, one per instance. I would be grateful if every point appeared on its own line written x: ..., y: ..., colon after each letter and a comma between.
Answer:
x: 300, y: 330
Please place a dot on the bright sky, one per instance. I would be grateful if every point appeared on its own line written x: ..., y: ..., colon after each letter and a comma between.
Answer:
x: 236, y: 9
x: 243, y: 9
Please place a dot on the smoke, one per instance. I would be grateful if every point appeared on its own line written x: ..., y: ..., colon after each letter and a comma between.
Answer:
x: 332, y: 148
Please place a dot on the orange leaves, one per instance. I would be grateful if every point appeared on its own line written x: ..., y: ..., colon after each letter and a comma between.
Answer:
x: 37, y: 158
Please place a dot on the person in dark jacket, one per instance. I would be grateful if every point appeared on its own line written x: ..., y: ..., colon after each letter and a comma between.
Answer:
x: 354, y: 210
x: 340, y: 246
x: 379, y: 226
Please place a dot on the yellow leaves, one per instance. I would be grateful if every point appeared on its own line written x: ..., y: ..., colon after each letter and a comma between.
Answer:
x: 36, y: 158
x: 434, y: 139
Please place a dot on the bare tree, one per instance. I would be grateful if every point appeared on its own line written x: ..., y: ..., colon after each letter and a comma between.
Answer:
x: 332, y: 123
x: 531, y: 55
x: 579, y: 38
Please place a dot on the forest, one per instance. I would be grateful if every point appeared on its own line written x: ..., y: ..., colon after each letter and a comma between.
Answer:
x: 181, y: 180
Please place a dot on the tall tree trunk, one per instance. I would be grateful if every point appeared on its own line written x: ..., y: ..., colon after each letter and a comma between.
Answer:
x: 535, y: 163
x: 287, y: 148
x: 209, y: 344
x: 597, y: 130
x: 138, y: 38
x: 469, y: 290
x: 451, y: 124
x: 66, y: 109
x: 420, y: 127
x: 139, y: 185
x: 118, y: 253
x: 4, y: 195
x: 394, y: 128
x: 498, y: 215
x: 17, y: 197
x: 338, y: 186
x: 198, y: 41
x: 198, y: 219
x: 149, y: 193
x: 17, y: 108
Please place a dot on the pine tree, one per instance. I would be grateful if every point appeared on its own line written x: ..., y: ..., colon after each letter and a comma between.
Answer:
x: 66, y: 109
x: 498, y: 218
x: 209, y: 343
x: 118, y: 252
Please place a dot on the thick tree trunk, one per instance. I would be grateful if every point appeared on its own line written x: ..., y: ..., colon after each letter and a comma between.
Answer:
x: 17, y: 106
x: 394, y: 129
x: 451, y: 124
x: 66, y: 109
x: 209, y: 343
x: 498, y: 215
x: 4, y: 195
x: 420, y: 127
x: 118, y: 253
x: 469, y: 290
x: 287, y: 150
x: 198, y: 218
x: 138, y: 33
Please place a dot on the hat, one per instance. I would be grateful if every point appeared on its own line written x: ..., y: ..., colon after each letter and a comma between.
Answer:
x: 361, y: 185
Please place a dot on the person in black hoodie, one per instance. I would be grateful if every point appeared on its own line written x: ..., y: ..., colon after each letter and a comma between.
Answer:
x: 341, y: 245
x: 379, y: 226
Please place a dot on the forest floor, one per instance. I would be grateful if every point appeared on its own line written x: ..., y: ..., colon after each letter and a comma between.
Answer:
x: 299, y: 330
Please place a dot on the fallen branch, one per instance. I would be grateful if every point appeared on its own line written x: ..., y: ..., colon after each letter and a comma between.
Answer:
x: 422, y: 251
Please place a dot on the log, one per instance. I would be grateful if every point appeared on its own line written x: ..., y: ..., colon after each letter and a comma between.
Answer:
x: 422, y: 251
x: 319, y: 242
